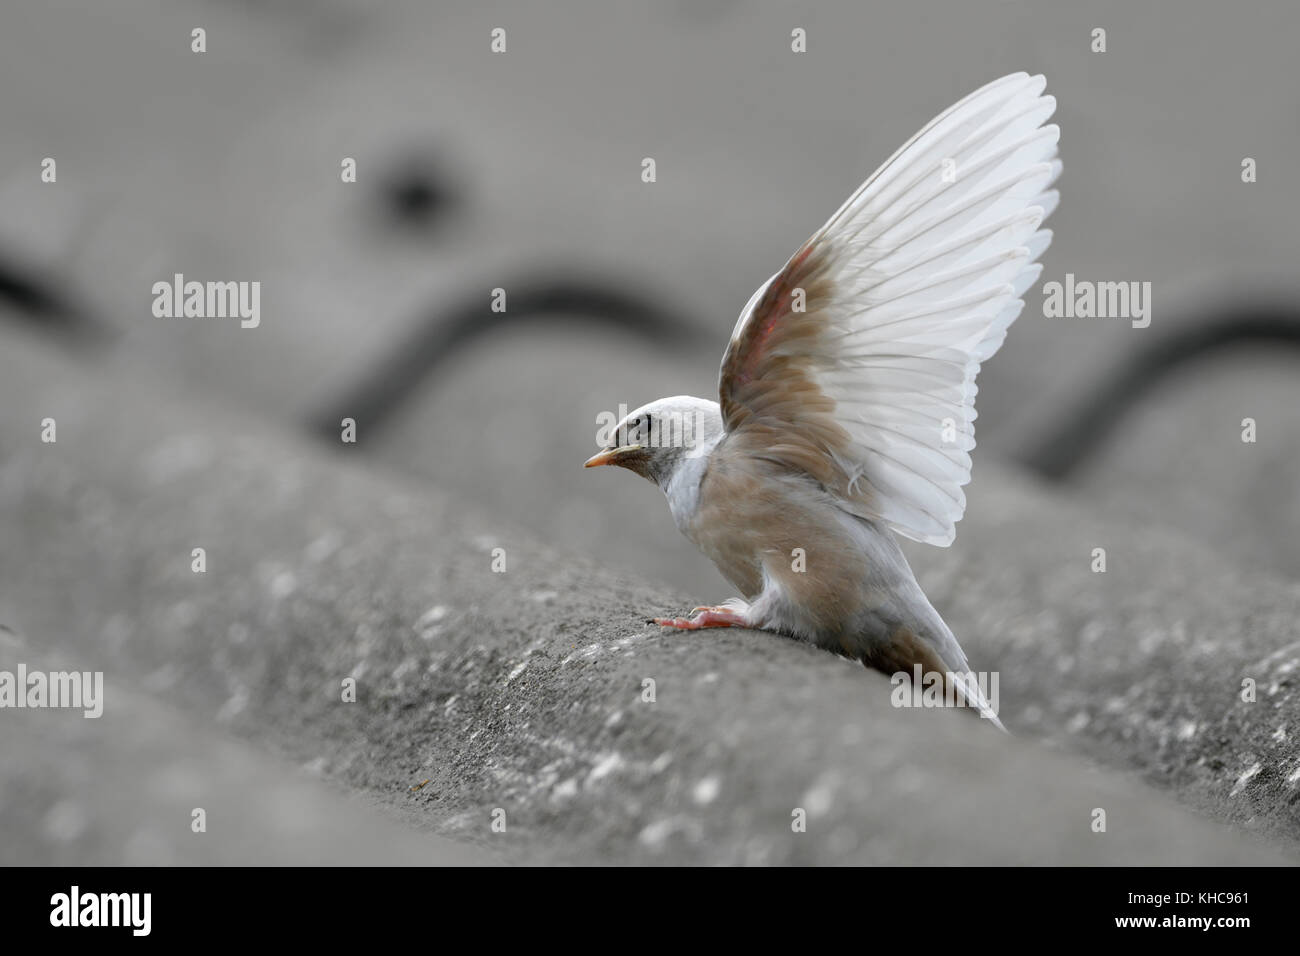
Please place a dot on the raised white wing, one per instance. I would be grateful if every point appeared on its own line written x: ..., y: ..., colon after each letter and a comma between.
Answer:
x: 904, y: 292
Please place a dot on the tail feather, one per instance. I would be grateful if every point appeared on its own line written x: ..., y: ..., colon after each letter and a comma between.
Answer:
x: 906, y: 649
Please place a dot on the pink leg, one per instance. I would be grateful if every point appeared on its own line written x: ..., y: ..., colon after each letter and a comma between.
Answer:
x: 704, y: 617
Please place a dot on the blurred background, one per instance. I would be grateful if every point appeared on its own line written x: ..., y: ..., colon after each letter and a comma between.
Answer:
x: 522, y: 171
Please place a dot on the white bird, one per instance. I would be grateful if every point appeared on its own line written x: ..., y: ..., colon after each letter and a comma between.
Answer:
x: 848, y: 392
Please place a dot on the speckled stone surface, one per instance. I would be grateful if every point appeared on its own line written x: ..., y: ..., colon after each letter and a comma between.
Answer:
x: 151, y: 784
x: 522, y: 691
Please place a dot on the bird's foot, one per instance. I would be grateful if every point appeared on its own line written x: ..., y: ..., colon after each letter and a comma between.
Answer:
x: 704, y: 617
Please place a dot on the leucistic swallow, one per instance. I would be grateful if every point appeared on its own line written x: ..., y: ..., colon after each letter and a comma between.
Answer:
x: 847, y: 392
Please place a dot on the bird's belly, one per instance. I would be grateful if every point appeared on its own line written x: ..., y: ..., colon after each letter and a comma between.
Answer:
x: 779, y: 533
x: 813, y: 569
x: 736, y: 555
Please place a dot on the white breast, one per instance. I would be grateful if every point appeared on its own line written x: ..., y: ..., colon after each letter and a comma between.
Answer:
x: 683, y: 488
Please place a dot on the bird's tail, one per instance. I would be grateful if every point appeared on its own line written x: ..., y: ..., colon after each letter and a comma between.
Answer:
x: 931, y: 649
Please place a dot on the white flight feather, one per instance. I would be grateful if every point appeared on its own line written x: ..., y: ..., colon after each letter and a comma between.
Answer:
x: 928, y: 272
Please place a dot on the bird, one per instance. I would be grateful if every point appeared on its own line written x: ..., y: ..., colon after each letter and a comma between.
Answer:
x: 847, y: 391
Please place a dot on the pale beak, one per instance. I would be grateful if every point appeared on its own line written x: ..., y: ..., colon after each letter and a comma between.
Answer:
x: 610, y: 456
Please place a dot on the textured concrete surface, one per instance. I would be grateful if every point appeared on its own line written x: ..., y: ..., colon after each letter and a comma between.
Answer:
x: 121, y: 789
x: 521, y: 691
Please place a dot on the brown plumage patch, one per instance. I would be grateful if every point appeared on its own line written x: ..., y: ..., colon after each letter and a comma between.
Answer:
x: 902, y: 652
x: 770, y: 399
x: 752, y: 517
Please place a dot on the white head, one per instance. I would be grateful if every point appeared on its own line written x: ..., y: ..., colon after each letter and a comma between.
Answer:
x: 653, y: 440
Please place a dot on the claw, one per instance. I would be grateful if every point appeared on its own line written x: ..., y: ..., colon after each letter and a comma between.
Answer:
x: 704, y: 617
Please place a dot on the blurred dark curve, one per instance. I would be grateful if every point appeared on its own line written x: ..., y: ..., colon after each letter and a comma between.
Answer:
x: 42, y: 305
x: 1055, y: 454
x: 372, y: 401
x: 1081, y: 430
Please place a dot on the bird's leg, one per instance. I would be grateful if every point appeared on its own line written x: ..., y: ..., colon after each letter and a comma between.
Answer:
x: 704, y: 617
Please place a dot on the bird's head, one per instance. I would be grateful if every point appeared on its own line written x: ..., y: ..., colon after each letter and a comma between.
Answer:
x: 653, y: 440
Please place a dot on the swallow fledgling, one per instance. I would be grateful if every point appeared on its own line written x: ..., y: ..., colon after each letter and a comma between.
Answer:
x: 847, y: 392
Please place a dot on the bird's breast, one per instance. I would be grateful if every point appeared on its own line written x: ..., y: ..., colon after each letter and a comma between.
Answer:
x: 767, y: 528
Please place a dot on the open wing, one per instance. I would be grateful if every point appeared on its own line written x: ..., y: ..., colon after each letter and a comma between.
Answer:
x: 856, y: 362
